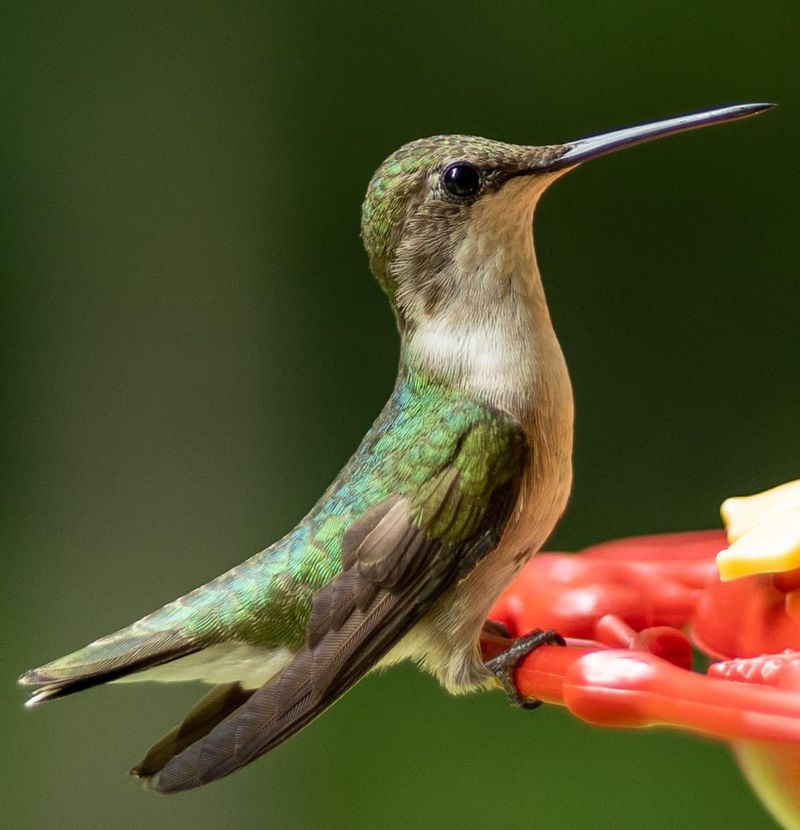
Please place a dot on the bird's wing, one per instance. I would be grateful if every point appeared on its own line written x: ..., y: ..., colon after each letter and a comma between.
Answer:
x: 213, y: 708
x: 397, y: 559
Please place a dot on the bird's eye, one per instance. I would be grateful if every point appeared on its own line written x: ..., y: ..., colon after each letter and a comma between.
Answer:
x: 462, y: 180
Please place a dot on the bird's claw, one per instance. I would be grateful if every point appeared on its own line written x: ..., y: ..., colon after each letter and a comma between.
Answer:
x: 502, y: 666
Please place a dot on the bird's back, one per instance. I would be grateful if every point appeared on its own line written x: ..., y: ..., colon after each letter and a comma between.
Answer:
x: 248, y: 621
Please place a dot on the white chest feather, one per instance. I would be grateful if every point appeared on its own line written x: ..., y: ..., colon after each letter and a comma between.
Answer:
x: 492, y: 336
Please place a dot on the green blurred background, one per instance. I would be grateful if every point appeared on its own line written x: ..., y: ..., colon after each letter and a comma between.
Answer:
x: 192, y: 346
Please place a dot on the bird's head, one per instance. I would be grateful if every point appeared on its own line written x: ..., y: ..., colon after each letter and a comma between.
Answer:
x: 447, y: 220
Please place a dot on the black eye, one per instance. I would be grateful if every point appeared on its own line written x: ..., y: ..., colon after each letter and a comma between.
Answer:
x: 462, y: 180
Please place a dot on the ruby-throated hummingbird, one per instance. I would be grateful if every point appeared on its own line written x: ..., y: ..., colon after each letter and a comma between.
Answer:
x: 458, y: 482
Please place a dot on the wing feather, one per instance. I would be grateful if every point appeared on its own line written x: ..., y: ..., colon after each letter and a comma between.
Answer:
x: 204, y: 716
x: 398, y: 559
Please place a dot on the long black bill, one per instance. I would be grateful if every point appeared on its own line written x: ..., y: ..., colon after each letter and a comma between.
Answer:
x: 598, y: 145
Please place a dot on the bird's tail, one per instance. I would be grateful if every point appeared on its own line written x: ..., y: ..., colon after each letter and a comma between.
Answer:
x: 152, y: 641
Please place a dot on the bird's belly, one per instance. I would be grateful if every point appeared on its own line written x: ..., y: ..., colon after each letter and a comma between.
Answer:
x: 222, y: 663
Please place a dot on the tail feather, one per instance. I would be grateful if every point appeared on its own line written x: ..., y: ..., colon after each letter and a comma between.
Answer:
x: 212, y: 709
x: 131, y: 650
x: 273, y: 713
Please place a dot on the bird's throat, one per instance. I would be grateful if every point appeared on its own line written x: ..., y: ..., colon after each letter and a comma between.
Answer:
x: 500, y: 348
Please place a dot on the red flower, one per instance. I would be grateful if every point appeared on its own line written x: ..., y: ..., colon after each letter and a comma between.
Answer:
x: 632, y: 609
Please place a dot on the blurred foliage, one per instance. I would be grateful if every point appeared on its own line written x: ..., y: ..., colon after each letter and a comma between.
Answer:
x: 192, y: 346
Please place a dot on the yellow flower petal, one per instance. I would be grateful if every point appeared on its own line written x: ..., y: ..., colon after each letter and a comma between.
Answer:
x: 772, y: 546
x: 744, y: 513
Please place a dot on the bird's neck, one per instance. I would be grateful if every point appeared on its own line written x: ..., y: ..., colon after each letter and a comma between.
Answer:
x: 495, y: 341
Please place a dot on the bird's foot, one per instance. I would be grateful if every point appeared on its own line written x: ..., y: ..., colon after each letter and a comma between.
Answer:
x: 502, y: 666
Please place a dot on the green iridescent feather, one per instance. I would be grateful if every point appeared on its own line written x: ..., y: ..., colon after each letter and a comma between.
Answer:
x: 424, y: 430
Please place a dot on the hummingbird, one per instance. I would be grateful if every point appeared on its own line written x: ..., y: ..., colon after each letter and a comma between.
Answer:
x: 458, y: 482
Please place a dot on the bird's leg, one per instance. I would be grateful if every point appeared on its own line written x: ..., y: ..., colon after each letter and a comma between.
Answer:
x: 502, y: 666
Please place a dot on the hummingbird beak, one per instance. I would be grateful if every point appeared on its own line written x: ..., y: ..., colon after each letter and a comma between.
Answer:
x: 575, y: 152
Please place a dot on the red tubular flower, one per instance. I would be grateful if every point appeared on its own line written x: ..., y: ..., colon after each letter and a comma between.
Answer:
x: 624, y: 607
